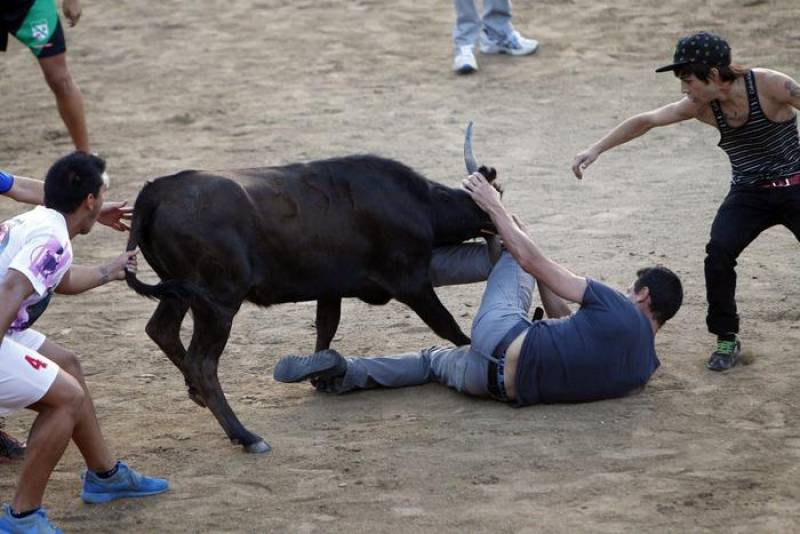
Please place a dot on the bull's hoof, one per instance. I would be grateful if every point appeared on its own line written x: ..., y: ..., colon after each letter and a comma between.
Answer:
x: 259, y: 447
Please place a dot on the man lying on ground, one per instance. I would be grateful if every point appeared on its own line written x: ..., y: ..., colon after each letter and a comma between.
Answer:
x: 604, y: 350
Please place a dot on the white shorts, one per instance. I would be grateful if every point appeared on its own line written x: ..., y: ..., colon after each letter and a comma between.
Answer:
x: 25, y: 375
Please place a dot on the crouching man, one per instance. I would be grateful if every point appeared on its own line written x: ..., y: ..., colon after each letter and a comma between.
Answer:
x: 604, y: 350
x: 35, y: 373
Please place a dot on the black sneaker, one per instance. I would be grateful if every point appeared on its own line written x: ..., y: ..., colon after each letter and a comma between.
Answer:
x: 726, y: 355
x: 11, y: 450
x: 324, y: 364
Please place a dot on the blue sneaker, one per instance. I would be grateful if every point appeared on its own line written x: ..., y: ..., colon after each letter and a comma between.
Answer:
x: 36, y: 523
x: 126, y: 482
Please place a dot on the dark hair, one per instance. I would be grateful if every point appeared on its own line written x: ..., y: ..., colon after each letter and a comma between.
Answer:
x: 727, y: 73
x: 71, y: 179
x: 666, y: 291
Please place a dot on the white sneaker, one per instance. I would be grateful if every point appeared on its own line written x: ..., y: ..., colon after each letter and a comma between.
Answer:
x: 513, y: 44
x: 465, y: 61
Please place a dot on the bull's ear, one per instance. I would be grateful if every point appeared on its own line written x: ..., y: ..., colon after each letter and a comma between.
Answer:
x: 488, y: 172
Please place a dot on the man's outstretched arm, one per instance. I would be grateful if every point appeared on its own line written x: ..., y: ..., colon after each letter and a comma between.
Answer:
x: 25, y: 190
x: 560, y: 280
x: 79, y: 278
x: 31, y: 191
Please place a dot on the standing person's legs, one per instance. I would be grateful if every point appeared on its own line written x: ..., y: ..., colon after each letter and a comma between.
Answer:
x: 497, y: 19
x: 41, y: 31
x: 468, y: 23
x: 68, y: 98
x: 499, y: 35
x: 465, y: 35
x: 742, y: 216
x: 790, y: 209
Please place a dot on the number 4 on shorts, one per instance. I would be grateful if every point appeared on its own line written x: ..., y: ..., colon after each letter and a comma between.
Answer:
x: 36, y: 364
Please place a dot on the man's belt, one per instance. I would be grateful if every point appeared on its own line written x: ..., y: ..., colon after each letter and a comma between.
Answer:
x: 782, y: 182
x: 496, y: 383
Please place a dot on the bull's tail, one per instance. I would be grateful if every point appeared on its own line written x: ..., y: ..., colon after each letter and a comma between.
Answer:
x: 144, y: 210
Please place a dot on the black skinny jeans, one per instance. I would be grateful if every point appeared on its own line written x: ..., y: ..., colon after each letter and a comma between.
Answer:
x: 744, y: 214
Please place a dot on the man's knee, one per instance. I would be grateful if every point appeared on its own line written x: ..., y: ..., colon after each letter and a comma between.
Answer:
x: 65, y: 393
x: 58, y: 78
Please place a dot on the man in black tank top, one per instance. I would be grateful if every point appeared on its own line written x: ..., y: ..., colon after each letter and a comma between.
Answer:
x: 754, y: 111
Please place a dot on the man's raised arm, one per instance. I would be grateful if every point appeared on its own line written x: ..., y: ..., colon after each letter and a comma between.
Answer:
x: 560, y: 280
x: 31, y: 191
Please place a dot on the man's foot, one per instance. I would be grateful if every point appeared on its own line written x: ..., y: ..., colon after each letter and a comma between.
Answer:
x: 325, y: 364
x: 726, y: 355
x: 126, y: 482
x: 513, y: 44
x: 11, y: 450
x: 36, y: 523
x: 465, y: 61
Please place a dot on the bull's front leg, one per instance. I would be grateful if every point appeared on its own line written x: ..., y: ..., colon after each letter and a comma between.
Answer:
x: 329, y: 311
x: 431, y: 310
x: 211, y: 331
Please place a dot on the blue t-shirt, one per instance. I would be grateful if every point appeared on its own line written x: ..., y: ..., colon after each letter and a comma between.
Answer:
x: 604, y: 350
x: 6, y: 181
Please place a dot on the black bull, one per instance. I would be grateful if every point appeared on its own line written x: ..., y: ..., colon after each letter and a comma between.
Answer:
x: 358, y: 226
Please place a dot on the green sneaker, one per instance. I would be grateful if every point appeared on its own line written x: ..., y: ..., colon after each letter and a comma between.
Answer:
x: 726, y: 355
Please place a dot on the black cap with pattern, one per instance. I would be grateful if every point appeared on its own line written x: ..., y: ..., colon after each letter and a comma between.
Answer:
x: 702, y: 48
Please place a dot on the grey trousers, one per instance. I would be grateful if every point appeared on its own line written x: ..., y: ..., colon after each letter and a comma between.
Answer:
x: 505, y: 304
x: 496, y: 19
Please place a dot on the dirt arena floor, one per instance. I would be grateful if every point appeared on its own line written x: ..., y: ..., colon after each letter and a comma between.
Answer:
x: 172, y: 85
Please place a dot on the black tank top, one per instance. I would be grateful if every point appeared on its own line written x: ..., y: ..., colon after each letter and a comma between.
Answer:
x: 760, y: 149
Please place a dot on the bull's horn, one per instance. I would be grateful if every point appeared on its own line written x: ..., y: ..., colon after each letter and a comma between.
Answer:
x: 469, y: 157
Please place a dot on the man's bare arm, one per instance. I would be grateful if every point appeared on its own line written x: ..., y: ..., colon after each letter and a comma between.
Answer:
x: 554, y: 306
x: 13, y: 291
x: 31, y: 191
x: 634, y: 127
x: 527, y: 253
x: 80, y: 278
x: 787, y: 91
x: 27, y: 190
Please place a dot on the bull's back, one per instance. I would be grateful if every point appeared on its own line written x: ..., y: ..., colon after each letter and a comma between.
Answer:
x: 281, y: 234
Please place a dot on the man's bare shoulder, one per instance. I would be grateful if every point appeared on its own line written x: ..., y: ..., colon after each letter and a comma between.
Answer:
x: 777, y: 86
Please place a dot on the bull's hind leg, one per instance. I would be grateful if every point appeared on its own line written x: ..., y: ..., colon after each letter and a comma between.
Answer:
x: 329, y: 311
x: 164, y: 328
x: 211, y: 331
x: 431, y: 310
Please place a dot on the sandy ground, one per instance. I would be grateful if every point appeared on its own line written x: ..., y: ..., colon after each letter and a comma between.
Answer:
x: 172, y: 85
